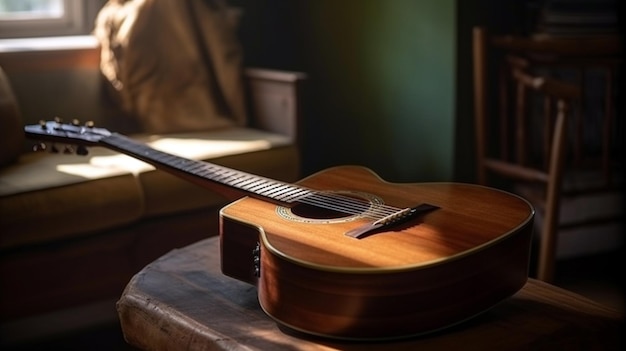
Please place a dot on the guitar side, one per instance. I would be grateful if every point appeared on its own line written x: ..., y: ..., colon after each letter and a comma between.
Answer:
x: 430, y: 273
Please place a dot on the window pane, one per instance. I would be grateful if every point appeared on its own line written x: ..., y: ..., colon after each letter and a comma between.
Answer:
x: 46, y: 18
x: 30, y: 9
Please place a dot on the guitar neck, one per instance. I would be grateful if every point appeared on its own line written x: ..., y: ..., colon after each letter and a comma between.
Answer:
x: 224, y: 180
x: 208, y: 174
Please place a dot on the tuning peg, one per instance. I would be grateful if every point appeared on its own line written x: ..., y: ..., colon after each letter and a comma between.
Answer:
x: 68, y: 150
x: 89, y: 124
x: 75, y: 122
x: 82, y: 150
x: 43, y: 124
x: 40, y: 146
x: 58, y: 119
x: 54, y: 149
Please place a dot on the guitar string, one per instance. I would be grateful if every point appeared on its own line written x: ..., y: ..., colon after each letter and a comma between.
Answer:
x: 330, y: 201
x: 232, y: 178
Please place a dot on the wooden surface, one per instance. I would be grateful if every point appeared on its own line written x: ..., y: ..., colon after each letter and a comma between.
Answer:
x: 183, y: 302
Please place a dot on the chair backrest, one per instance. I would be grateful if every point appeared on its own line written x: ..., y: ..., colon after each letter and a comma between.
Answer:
x: 559, y: 101
x: 518, y: 144
x: 513, y: 139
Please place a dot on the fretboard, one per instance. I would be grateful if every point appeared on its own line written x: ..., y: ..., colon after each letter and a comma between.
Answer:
x: 247, y: 183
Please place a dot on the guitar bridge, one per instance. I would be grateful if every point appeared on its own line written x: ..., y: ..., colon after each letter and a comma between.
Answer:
x: 390, y: 220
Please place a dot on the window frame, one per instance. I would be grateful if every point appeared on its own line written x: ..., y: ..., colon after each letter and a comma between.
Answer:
x: 78, y: 20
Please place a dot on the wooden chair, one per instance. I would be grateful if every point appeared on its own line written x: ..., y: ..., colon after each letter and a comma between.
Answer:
x: 515, y: 138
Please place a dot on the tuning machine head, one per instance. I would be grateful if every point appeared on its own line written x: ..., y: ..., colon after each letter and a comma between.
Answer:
x: 82, y: 150
x: 40, y: 146
x: 67, y: 149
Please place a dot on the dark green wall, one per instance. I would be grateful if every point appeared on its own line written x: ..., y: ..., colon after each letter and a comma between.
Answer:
x: 381, y: 89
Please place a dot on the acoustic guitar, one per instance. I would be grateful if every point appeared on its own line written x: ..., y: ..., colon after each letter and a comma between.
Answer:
x: 344, y: 254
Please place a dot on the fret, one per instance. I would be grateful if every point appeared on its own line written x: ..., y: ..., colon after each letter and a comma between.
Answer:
x: 287, y: 194
x: 251, y: 185
x: 269, y: 189
x: 203, y: 172
x: 219, y: 176
x: 244, y: 179
x: 225, y: 175
x: 236, y: 180
x: 208, y: 170
x: 281, y: 189
x: 197, y: 168
x: 261, y: 185
x: 294, y: 196
x: 272, y: 193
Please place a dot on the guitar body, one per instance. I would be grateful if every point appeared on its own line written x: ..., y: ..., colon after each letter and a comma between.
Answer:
x: 426, y: 274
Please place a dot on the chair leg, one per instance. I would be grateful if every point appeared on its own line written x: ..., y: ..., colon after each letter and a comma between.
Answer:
x: 547, y: 247
x: 480, y: 99
x: 549, y: 232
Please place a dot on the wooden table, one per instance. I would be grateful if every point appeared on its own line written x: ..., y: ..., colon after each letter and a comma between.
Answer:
x: 183, y: 302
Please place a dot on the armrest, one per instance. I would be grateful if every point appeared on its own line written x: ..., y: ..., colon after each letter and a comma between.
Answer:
x: 275, y: 100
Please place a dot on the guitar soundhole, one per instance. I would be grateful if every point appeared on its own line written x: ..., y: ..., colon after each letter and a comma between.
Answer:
x: 312, y: 212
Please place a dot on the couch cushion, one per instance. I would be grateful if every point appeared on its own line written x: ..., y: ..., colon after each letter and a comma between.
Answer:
x: 43, y: 170
x: 38, y: 217
x: 44, y: 197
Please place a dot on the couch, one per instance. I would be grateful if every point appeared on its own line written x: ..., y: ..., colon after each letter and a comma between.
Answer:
x: 74, y: 229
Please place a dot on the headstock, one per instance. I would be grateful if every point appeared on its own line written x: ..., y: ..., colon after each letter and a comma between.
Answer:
x: 66, y: 133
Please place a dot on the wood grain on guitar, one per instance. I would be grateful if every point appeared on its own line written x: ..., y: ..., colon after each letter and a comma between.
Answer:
x: 426, y: 268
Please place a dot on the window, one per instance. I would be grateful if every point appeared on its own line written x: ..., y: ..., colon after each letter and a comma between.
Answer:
x: 41, y: 18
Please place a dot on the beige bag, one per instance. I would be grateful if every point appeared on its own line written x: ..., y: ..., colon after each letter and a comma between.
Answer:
x: 175, y: 65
